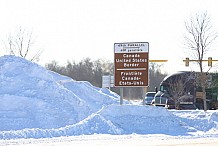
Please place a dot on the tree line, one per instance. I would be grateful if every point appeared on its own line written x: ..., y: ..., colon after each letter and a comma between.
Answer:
x: 93, y: 70
x: 21, y: 44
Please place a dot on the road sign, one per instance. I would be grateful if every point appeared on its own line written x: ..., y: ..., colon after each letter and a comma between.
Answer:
x: 131, y: 64
x: 107, y: 81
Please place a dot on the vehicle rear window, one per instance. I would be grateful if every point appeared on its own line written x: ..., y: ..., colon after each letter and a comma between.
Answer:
x: 150, y: 94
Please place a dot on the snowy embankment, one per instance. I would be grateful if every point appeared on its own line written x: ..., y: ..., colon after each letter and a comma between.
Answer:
x: 37, y: 103
x: 126, y: 119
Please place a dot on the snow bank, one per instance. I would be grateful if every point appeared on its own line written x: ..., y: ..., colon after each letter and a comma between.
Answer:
x: 143, y: 119
x: 198, y: 122
x: 127, y: 119
x: 112, y: 119
x: 37, y: 103
x: 32, y: 97
x: 92, y: 96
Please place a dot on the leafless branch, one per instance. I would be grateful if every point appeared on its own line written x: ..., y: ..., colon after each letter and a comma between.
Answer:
x: 21, y: 45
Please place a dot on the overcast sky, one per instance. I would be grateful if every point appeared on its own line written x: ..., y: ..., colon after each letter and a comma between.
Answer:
x: 76, y: 29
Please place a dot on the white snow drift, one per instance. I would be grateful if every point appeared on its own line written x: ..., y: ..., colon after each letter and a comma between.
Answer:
x: 37, y: 103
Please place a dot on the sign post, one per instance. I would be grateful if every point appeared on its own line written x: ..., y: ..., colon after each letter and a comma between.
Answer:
x: 131, y: 64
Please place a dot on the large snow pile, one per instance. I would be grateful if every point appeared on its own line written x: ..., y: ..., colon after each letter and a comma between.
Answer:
x: 39, y: 103
x: 33, y: 97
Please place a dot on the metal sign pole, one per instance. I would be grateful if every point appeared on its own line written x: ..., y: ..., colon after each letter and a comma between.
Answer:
x: 145, y: 89
x: 121, y: 95
x: 109, y: 82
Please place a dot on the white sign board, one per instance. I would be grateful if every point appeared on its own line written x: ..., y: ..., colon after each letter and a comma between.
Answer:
x: 107, y: 81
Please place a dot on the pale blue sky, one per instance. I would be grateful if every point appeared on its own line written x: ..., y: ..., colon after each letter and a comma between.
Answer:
x: 76, y: 29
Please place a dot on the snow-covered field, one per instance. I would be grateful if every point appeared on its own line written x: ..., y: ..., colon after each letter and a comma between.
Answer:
x: 40, y: 107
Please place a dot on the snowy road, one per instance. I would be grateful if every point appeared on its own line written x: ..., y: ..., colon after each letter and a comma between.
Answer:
x: 112, y: 140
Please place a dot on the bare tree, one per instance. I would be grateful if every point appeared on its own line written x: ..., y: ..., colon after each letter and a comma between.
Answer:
x: 21, y: 44
x: 53, y: 66
x: 198, y: 39
x: 181, y: 86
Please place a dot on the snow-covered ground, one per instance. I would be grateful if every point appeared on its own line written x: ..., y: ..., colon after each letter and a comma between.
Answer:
x: 114, y: 140
x: 42, y: 107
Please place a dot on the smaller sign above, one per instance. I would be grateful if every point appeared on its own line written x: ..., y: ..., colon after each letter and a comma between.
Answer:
x: 130, y: 47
